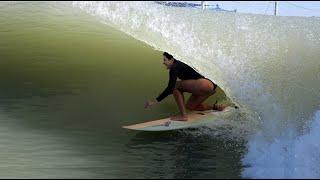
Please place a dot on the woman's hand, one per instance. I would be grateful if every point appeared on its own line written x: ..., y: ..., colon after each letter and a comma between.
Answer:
x: 150, y: 103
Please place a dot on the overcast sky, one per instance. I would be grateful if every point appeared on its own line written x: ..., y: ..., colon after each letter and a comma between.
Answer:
x: 285, y: 8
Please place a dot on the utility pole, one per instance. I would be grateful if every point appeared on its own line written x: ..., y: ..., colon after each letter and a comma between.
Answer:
x: 275, y: 8
x: 203, y: 4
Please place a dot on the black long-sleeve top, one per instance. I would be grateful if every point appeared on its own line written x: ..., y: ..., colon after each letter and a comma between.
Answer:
x: 178, y: 70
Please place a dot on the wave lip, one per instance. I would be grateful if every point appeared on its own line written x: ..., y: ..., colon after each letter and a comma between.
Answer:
x: 269, y: 65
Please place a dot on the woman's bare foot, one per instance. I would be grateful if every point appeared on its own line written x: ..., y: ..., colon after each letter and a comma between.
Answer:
x: 179, y: 118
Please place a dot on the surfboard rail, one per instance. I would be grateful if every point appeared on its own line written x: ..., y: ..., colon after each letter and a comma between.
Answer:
x: 195, y: 119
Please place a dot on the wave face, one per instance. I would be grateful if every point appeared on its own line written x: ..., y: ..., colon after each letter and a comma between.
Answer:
x: 268, y: 65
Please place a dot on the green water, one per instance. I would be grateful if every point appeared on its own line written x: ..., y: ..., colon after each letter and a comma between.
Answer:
x: 68, y: 84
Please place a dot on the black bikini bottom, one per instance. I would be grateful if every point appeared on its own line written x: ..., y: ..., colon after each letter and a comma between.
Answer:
x: 214, y: 85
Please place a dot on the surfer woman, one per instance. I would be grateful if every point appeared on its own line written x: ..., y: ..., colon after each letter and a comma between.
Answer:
x: 191, y: 82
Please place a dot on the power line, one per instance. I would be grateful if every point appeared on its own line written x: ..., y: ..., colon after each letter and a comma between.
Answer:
x: 298, y: 6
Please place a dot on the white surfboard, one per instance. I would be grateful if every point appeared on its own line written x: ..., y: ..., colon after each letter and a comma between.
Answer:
x: 195, y: 119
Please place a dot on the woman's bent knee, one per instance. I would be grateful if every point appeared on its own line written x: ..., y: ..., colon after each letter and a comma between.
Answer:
x: 176, y: 91
x: 177, y: 86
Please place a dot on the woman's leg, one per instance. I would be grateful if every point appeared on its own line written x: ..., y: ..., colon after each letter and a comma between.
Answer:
x: 201, y: 89
x: 195, y: 103
x: 178, y: 96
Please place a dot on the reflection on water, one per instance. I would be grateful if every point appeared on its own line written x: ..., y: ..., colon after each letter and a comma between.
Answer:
x: 181, y: 155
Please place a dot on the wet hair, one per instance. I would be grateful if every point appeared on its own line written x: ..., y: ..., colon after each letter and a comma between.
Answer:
x: 167, y: 55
